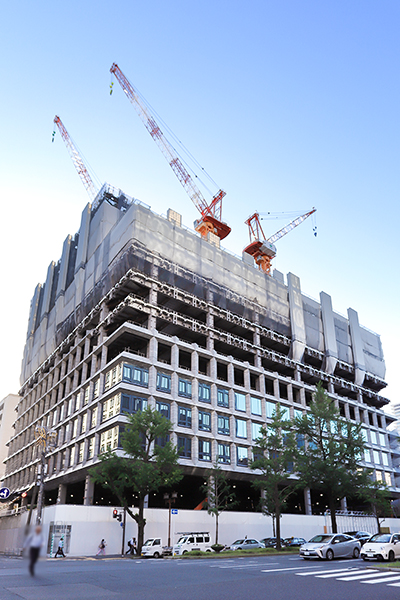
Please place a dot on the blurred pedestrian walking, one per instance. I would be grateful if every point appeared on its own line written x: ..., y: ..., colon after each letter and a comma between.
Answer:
x: 102, y: 547
x: 60, y: 549
x: 34, y: 542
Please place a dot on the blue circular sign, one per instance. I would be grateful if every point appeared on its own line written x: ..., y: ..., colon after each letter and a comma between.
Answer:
x: 4, y: 493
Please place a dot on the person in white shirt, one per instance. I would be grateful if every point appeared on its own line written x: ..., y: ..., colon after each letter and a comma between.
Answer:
x: 34, y: 542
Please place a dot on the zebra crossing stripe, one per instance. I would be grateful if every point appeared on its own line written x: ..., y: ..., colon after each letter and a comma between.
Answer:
x: 355, y: 573
x: 392, y: 578
x: 316, y: 572
x: 365, y: 575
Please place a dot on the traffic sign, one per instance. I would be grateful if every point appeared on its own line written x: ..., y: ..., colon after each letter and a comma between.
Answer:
x: 4, y: 493
x: 174, y: 511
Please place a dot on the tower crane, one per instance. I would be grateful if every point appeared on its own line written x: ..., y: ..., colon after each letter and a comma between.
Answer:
x: 76, y: 159
x: 211, y: 213
x: 264, y: 250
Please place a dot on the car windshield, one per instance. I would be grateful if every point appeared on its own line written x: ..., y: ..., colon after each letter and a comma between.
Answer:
x: 381, y: 538
x: 320, y: 538
x: 182, y: 540
x: 237, y: 542
x: 148, y: 542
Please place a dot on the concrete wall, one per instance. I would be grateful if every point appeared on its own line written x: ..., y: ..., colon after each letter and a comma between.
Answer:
x: 7, y: 418
x: 90, y: 524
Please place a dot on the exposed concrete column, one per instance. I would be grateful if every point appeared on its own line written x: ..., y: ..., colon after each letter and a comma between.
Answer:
x: 103, y: 359
x: 175, y: 356
x: 213, y: 368
x: 296, y: 318
x: 231, y: 374
x: 194, y: 363
x: 328, y: 324
x: 276, y: 388
x: 62, y: 493
x: 246, y: 377
x: 210, y: 321
x: 153, y: 299
x: 307, y: 501
x: 357, y: 346
x: 89, y: 491
x: 153, y: 349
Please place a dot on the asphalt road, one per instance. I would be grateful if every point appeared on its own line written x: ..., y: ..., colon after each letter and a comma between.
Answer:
x: 252, y: 578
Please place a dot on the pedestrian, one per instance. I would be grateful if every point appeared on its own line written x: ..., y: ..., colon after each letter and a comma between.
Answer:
x: 130, y: 546
x: 34, y: 542
x: 60, y: 549
x: 102, y: 547
x: 134, y: 547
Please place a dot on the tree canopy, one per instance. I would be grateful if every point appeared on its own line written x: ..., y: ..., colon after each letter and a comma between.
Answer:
x: 220, y: 496
x: 275, y: 458
x: 330, y: 458
x: 150, y: 462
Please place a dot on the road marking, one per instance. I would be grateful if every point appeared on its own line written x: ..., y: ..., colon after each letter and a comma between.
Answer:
x: 327, y: 571
x: 287, y: 569
x: 388, y: 578
x: 363, y: 576
x: 354, y: 573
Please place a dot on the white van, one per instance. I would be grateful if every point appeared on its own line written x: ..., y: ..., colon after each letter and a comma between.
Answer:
x: 153, y: 548
x: 192, y: 540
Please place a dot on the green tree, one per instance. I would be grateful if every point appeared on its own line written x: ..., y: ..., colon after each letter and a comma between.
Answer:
x: 275, y: 457
x: 329, y: 461
x: 377, y: 495
x: 146, y: 466
x: 220, y: 496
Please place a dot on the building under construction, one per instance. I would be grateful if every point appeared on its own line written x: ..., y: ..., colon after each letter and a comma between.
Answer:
x: 140, y: 311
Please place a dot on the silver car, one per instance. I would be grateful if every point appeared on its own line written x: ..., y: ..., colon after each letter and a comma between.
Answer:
x: 246, y: 544
x: 329, y: 546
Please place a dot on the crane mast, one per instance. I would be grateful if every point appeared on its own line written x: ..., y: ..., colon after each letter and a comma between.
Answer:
x: 211, y: 213
x: 264, y: 250
x: 76, y: 159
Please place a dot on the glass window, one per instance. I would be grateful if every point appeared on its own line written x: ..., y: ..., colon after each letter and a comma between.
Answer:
x: 109, y: 439
x: 222, y: 398
x: 255, y: 406
x: 163, y: 408
x: 136, y: 375
x: 240, y: 401
x: 163, y: 382
x: 205, y: 450
x: 85, y: 396
x: 161, y: 441
x: 72, y: 457
x: 241, y: 428
x: 132, y: 404
x: 54, y: 417
x: 204, y: 392
x: 81, y: 448
x: 285, y: 413
x: 300, y: 441
x: 297, y: 413
x: 93, y: 422
x: 367, y: 455
x: 382, y: 439
x: 184, y: 447
x: 223, y: 424
x: 377, y: 458
x: 374, y: 436
x: 184, y: 388
x: 75, y: 428
x: 184, y: 416
x: 270, y: 407
x: 204, y: 420
x: 388, y: 479
x: 241, y: 454
x: 224, y: 453
x: 111, y: 407
x: 90, y: 452
x: 84, y: 423
x: 364, y: 435
x: 96, y: 388
x: 256, y: 431
x: 385, y: 459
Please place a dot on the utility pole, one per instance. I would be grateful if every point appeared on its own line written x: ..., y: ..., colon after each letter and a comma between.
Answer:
x: 45, y: 439
x: 169, y: 500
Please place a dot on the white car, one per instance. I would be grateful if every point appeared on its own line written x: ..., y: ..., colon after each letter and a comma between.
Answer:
x: 382, y: 546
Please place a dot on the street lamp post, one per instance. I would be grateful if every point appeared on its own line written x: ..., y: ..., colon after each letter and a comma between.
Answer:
x: 45, y: 439
x: 170, y: 499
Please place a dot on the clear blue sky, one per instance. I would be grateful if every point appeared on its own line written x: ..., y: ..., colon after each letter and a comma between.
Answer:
x: 288, y: 104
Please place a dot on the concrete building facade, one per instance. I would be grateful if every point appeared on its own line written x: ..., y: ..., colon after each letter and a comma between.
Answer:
x: 139, y: 311
x: 8, y: 407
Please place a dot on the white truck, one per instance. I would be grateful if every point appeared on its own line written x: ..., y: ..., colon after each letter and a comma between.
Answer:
x: 153, y: 548
x: 192, y: 540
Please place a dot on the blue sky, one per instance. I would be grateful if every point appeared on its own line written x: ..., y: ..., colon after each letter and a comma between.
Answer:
x: 287, y: 104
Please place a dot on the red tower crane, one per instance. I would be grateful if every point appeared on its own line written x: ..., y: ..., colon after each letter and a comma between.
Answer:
x: 263, y: 250
x: 76, y: 159
x: 211, y: 213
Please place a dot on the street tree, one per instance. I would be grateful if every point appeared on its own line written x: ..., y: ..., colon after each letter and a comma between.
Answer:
x: 377, y: 496
x: 275, y: 459
x: 148, y: 462
x: 220, y: 495
x: 329, y: 460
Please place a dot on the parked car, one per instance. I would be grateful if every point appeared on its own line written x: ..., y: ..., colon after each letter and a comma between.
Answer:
x: 192, y: 540
x: 363, y: 536
x: 245, y: 544
x: 382, y: 546
x: 329, y: 546
x: 153, y: 548
x: 270, y: 542
x: 292, y: 542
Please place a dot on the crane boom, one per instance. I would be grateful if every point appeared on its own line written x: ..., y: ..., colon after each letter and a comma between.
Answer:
x: 290, y: 226
x: 264, y: 250
x: 210, y: 213
x: 76, y: 159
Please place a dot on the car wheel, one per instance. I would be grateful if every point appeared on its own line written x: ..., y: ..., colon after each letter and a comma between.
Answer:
x: 156, y: 555
x: 391, y: 556
x: 208, y: 550
x: 329, y: 554
x: 185, y: 552
x: 379, y: 558
x: 356, y: 553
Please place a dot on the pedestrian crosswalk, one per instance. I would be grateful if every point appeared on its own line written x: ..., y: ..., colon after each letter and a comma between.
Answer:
x: 367, y: 576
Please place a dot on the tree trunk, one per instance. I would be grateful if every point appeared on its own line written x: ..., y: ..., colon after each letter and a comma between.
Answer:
x: 333, y: 514
x: 278, y: 528
x: 216, y: 528
x: 141, y: 521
